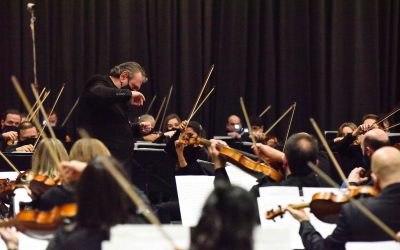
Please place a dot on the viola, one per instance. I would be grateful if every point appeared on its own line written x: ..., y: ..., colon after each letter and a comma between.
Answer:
x: 41, y: 220
x: 233, y: 156
x: 326, y: 206
x: 41, y: 183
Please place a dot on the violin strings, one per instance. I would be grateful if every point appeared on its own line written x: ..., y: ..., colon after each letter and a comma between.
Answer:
x: 357, y: 203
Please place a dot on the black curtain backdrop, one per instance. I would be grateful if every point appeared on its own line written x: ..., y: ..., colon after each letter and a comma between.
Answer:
x: 337, y: 59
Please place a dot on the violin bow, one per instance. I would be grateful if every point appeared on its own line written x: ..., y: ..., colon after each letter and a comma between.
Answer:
x: 70, y: 112
x: 201, y: 91
x: 290, y: 124
x: 28, y: 106
x: 279, y: 119
x: 151, y: 104
x: 357, y: 203
x: 166, y: 106
x: 37, y: 108
x: 159, y: 111
x: 201, y: 104
x: 264, y: 111
x: 394, y: 125
x: 137, y: 200
x: 330, y: 153
x: 35, y: 104
x: 51, y: 112
x: 9, y: 163
x: 386, y: 116
x: 43, y: 111
x: 246, y: 117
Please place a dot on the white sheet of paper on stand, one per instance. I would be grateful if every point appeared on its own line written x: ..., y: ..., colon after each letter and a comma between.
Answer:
x: 267, y: 203
x: 148, y: 237
x: 12, y: 175
x: 192, y: 194
x: 279, y: 191
x: 379, y: 245
x: 239, y: 177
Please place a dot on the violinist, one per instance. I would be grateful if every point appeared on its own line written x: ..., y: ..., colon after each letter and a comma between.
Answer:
x: 171, y: 124
x: 27, y: 136
x: 353, y: 225
x: 257, y: 129
x: 144, y: 129
x: 84, y: 150
x: 370, y: 142
x: 348, y: 148
x: 227, y: 220
x: 99, y: 208
x: 187, y: 155
x: 300, y: 148
x: 9, y: 127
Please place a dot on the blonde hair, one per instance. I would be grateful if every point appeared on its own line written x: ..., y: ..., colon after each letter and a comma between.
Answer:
x: 86, y: 149
x: 43, y: 163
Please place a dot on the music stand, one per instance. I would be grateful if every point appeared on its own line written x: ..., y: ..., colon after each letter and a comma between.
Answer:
x: 22, y: 161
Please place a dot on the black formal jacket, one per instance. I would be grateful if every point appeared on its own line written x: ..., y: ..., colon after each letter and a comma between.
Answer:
x: 103, y: 113
x: 354, y: 226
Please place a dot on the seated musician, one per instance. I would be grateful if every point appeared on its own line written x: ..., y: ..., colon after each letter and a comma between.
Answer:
x: 348, y: 148
x: 354, y: 225
x: 257, y: 129
x: 300, y: 148
x: 370, y: 142
x: 227, y: 220
x: 234, y: 127
x: 143, y: 130
x: 187, y: 155
x: 9, y: 127
x: 84, y: 150
x: 344, y: 129
x: 171, y: 124
x: 27, y: 136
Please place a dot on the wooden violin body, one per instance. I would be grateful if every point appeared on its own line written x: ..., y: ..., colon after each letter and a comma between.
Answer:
x: 326, y: 206
x: 42, y: 220
x: 233, y: 156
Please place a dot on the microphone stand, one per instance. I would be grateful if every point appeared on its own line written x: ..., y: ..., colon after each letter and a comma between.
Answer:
x: 32, y: 26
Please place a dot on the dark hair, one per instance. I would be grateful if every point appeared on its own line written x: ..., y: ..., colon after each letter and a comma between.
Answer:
x: 370, y: 116
x: 300, y: 149
x: 227, y: 221
x: 101, y: 201
x: 25, y: 125
x: 10, y: 111
x: 375, y: 143
x: 168, y: 118
x: 346, y: 124
x: 131, y: 67
x: 196, y: 126
x: 256, y: 121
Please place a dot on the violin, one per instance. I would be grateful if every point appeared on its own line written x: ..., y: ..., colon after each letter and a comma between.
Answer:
x: 326, y: 206
x: 233, y: 156
x: 42, y: 220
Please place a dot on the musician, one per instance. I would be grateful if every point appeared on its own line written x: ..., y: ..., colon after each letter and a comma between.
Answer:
x: 300, y: 149
x: 171, y: 124
x: 9, y: 126
x: 27, y: 136
x: 84, y: 150
x: 104, y: 105
x: 345, y: 129
x: 187, y: 155
x: 144, y: 129
x: 227, y: 220
x: 370, y: 142
x: 100, y: 208
x: 349, y: 151
x: 354, y: 225
x: 234, y: 127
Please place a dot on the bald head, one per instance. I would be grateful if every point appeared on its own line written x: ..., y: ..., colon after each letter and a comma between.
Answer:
x: 374, y: 139
x: 233, y: 123
x: 386, y: 165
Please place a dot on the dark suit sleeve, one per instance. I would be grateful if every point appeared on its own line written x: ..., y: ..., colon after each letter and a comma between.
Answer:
x: 101, y: 94
x: 221, y: 176
x: 343, y: 145
x: 312, y: 240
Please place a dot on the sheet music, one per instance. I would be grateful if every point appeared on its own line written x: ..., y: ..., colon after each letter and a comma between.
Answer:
x: 239, y: 177
x: 279, y: 191
x: 29, y: 243
x: 387, y: 245
x: 12, y: 175
x: 192, y: 194
x: 148, y: 237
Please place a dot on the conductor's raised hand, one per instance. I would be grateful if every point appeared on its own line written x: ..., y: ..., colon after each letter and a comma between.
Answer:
x: 137, y: 98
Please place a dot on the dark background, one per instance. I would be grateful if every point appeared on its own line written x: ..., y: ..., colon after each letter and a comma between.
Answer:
x: 337, y: 59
